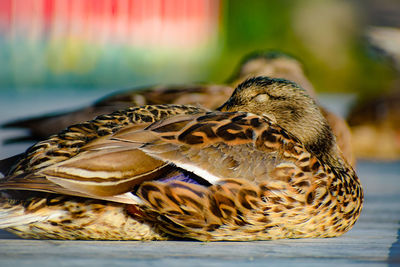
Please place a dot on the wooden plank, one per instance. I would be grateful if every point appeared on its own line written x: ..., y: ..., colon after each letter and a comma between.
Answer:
x: 373, y: 240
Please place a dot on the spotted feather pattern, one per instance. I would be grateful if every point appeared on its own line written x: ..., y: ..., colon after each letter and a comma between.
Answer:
x: 298, y: 197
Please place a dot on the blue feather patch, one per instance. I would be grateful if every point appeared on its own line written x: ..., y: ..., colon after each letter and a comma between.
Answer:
x: 183, y: 177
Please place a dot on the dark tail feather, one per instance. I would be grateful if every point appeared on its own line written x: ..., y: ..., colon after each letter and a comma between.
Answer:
x: 20, y: 139
x: 29, y: 122
x: 42, y: 127
x: 6, y: 164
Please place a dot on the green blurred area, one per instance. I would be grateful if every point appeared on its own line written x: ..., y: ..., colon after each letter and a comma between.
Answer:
x: 327, y: 36
x: 340, y: 63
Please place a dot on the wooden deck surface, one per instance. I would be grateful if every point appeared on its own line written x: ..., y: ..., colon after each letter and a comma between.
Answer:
x: 374, y: 240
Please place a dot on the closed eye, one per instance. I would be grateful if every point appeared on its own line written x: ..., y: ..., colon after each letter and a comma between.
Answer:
x: 261, y: 98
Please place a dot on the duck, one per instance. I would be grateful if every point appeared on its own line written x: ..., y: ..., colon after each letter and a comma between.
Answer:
x: 265, y: 165
x: 274, y: 64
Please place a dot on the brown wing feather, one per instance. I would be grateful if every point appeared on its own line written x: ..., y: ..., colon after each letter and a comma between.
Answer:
x: 95, y: 174
x: 84, y: 161
x: 214, y: 145
x: 70, y: 142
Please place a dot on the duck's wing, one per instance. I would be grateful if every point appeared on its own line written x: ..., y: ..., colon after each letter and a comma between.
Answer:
x: 210, y: 145
x: 213, y: 146
x: 124, y: 167
x: 107, y: 174
x: 7, y: 163
x: 68, y: 143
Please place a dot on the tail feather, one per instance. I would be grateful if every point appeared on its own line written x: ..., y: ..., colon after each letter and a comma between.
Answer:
x: 12, y: 215
x: 6, y: 164
x: 43, y: 126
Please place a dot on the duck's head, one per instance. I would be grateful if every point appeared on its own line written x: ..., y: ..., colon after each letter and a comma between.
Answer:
x: 288, y: 105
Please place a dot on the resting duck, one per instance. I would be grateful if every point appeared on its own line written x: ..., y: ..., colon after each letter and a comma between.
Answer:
x: 264, y: 166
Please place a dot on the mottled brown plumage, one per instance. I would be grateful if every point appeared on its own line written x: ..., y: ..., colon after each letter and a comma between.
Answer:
x: 264, y: 167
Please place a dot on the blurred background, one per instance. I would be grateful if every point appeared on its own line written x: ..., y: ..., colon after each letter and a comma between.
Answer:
x: 50, y: 44
x: 88, y: 48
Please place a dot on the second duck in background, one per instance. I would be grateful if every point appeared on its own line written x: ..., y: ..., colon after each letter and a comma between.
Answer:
x: 273, y: 64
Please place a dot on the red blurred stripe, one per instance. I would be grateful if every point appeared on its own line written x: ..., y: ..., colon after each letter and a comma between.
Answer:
x: 154, y: 22
x: 5, y: 14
